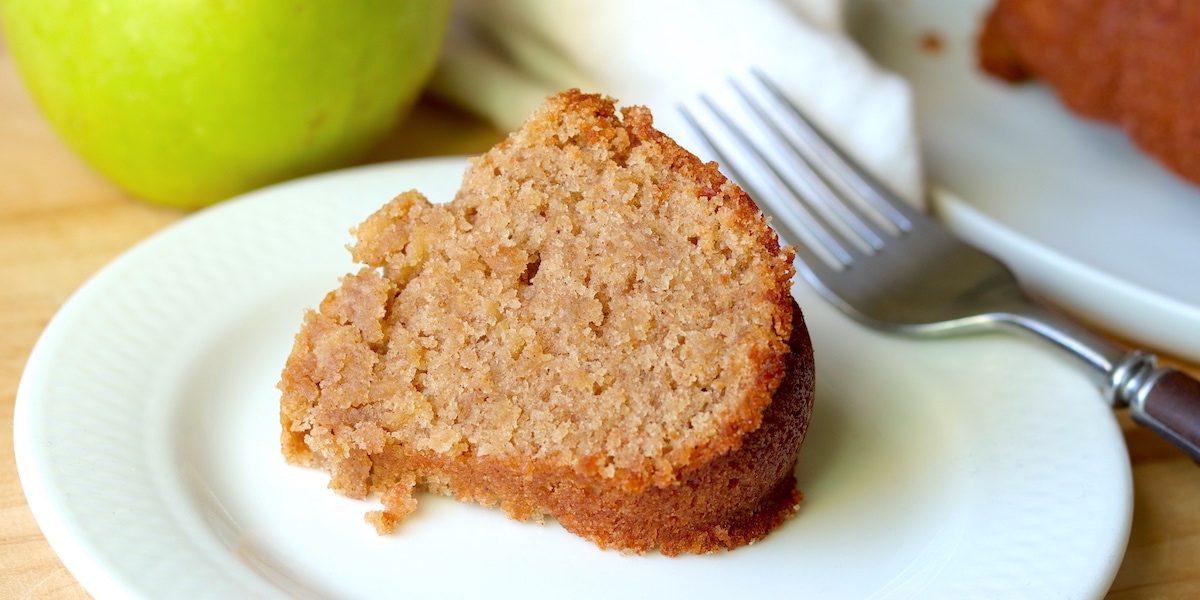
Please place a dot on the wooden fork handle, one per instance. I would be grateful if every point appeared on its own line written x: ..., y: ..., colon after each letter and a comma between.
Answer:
x: 1169, y: 403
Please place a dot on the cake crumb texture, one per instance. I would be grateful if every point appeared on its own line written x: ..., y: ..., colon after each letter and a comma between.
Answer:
x: 598, y: 328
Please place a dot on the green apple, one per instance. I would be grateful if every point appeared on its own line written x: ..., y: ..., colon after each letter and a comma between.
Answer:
x: 187, y: 102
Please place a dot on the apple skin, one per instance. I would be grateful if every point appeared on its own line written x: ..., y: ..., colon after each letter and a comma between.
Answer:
x: 188, y: 102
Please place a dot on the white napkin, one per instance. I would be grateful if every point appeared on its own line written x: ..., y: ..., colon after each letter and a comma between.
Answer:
x: 503, y: 57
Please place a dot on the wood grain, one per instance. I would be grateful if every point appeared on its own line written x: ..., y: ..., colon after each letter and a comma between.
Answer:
x: 60, y: 222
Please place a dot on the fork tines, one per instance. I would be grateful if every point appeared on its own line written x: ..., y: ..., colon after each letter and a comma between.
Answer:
x: 817, y: 194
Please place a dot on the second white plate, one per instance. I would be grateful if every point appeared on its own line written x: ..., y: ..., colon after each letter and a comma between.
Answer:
x: 1086, y: 220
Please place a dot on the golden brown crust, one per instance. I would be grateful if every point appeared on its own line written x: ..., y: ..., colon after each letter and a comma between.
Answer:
x: 731, y: 501
x: 598, y: 328
x: 1128, y: 62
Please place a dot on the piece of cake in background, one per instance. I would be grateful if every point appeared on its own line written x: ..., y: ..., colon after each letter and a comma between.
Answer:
x: 599, y: 328
x: 1132, y: 63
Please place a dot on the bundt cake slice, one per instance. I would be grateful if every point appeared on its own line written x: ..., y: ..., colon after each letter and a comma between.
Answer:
x: 1128, y: 62
x: 598, y: 328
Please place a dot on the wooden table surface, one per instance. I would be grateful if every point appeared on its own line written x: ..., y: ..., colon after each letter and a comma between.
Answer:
x: 60, y: 222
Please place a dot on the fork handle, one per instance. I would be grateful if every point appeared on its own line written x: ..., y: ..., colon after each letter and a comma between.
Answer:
x: 1167, y: 401
x: 1164, y: 400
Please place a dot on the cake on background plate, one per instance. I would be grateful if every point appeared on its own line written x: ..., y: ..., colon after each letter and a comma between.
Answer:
x: 598, y: 328
x: 1132, y: 63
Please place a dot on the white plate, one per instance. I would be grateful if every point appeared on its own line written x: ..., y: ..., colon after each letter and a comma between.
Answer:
x: 146, y: 435
x: 1085, y: 219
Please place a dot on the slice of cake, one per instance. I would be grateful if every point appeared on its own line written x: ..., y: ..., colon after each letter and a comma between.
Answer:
x: 598, y: 328
x: 1128, y: 62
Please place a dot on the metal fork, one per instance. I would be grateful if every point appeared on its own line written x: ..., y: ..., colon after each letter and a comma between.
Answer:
x: 894, y: 268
